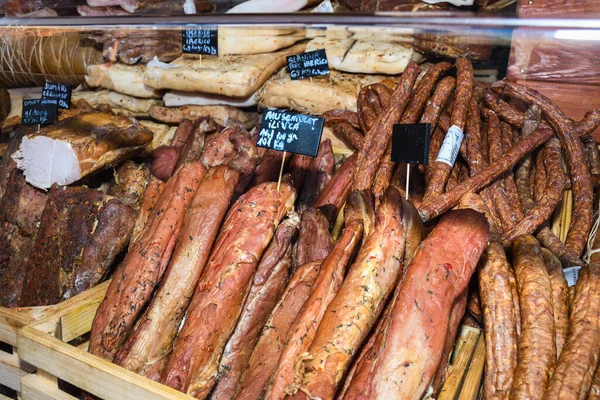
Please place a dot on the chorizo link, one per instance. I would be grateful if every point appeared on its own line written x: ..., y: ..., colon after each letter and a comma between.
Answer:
x: 440, y: 204
x: 555, y: 183
x: 540, y: 177
x: 462, y: 97
x: 592, y: 152
x: 475, y: 202
x: 510, y: 186
x: 334, y: 194
x: 477, y: 158
x: 537, y: 345
x: 560, y: 298
x: 578, y: 361
x: 545, y: 235
x: 367, y: 116
x: 431, y: 114
x: 422, y: 92
x: 505, y: 209
x: 581, y: 182
x: 220, y: 293
x: 346, y: 131
x: 377, y: 138
x: 134, y: 281
x: 499, y: 323
x: 510, y: 114
x: 332, y: 117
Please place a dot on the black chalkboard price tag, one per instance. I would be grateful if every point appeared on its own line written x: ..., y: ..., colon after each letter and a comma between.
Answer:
x: 200, y: 41
x: 410, y: 143
x: 58, y: 91
x: 290, y: 132
x: 309, y: 64
x: 39, y: 112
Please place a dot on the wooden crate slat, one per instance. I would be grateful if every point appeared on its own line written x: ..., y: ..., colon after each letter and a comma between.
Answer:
x: 12, y: 370
x: 35, y: 388
x: 457, y: 371
x: 88, y: 372
x: 472, y: 383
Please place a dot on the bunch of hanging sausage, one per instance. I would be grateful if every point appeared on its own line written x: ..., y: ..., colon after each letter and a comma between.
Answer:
x: 234, y: 287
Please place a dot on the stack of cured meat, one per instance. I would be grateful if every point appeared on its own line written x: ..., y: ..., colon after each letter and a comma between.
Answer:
x: 329, y: 283
x: 334, y: 285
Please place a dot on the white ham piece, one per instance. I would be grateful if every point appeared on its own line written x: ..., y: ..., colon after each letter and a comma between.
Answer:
x: 75, y: 147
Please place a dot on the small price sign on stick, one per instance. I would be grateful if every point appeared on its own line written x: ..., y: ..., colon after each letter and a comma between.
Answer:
x: 291, y: 133
x: 410, y: 145
x: 60, y: 92
x: 40, y: 112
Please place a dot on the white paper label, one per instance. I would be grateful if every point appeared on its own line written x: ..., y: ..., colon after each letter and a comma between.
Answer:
x: 572, y: 274
x: 159, y: 64
x: 451, y: 146
x: 189, y: 7
x: 324, y: 7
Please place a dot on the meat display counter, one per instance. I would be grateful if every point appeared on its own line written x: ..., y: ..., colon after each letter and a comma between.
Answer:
x: 296, y: 199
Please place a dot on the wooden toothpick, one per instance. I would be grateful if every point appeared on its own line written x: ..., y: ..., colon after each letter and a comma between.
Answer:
x: 281, y: 171
x: 407, y: 180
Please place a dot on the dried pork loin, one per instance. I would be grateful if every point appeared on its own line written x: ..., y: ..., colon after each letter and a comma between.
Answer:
x: 20, y: 212
x: 69, y: 150
x: 81, y: 232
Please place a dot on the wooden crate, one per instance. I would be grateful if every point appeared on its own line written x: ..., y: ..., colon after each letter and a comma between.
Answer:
x: 12, y: 368
x: 45, y: 345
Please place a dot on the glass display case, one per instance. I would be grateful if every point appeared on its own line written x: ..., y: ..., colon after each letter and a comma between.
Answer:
x: 347, y: 199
